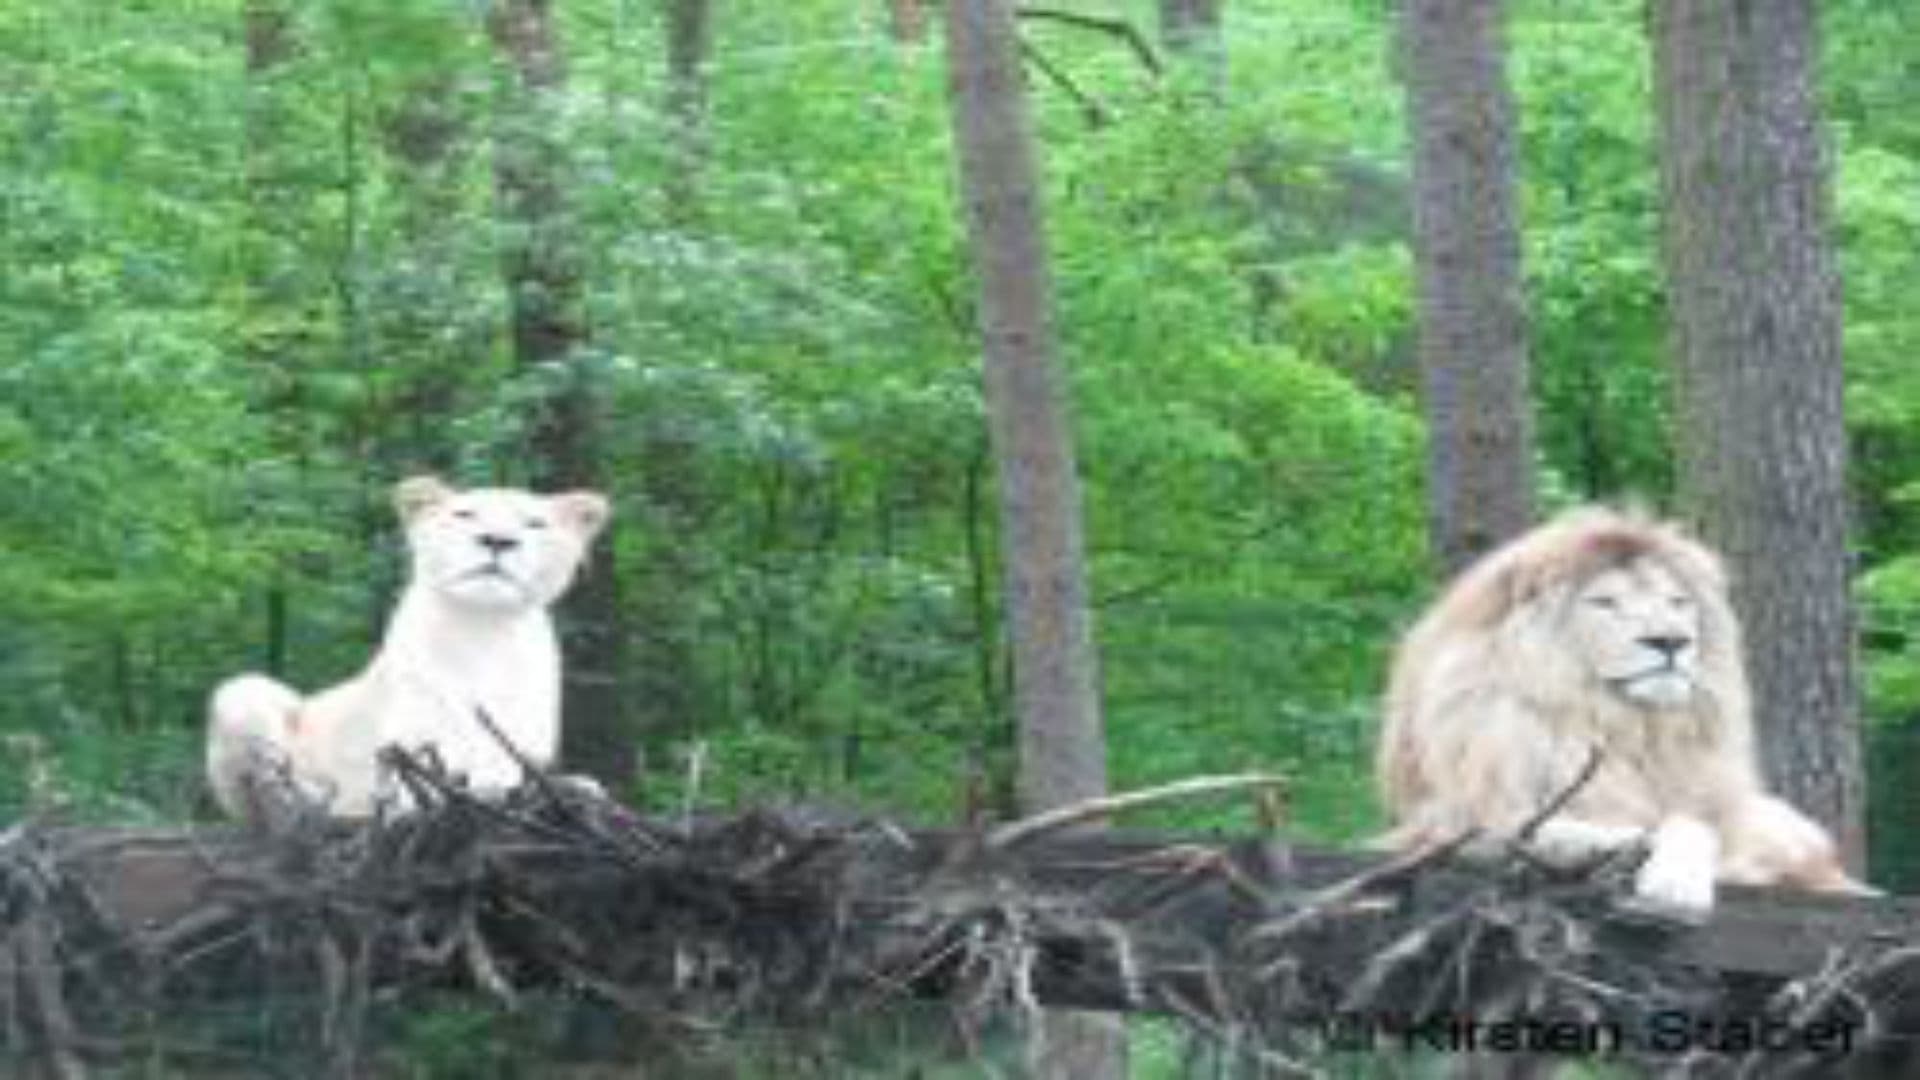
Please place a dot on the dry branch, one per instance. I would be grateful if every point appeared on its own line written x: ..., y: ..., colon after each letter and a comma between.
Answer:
x: 1115, y: 27
x: 688, y: 927
x: 1010, y: 836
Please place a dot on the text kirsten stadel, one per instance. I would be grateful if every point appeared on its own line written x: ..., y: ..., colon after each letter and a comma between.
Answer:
x: 1666, y: 1032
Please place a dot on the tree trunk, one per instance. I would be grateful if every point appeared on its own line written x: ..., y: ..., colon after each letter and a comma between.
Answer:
x: 1192, y: 28
x: 663, y: 582
x: 271, y: 40
x: 543, y: 273
x: 268, y: 27
x: 1062, y: 750
x: 689, y: 50
x: 427, y: 135
x: 1472, y: 317
x: 1756, y: 335
x: 908, y: 21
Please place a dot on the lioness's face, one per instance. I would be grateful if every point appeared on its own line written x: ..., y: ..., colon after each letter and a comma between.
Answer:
x: 497, y: 548
x: 1639, y: 629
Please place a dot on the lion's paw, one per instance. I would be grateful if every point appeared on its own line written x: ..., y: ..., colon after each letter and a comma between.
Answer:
x: 1677, y: 880
x: 1796, y: 838
x: 580, y: 784
x: 1675, y: 892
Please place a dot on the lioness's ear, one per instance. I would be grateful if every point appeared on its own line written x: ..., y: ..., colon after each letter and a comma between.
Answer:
x: 585, y: 512
x: 415, y: 495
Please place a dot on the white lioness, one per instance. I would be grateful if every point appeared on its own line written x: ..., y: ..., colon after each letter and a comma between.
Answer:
x: 1600, y: 631
x: 471, y: 633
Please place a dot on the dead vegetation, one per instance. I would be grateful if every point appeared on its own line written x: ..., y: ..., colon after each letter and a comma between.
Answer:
x: 681, y: 932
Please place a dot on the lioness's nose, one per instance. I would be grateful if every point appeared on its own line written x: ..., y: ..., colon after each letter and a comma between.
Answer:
x: 1668, y: 645
x: 497, y: 544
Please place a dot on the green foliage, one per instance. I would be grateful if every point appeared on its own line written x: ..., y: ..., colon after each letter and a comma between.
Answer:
x: 1891, y: 617
x: 241, y: 301
x: 238, y: 302
x: 1590, y: 199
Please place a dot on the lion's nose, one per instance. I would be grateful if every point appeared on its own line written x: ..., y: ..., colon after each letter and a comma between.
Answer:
x: 496, y: 544
x: 1667, y: 645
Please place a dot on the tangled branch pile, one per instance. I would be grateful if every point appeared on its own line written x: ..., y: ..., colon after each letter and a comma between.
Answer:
x: 686, y: 927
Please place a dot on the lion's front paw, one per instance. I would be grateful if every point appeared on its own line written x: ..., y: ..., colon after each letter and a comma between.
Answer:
x: 580, y: 784
x: 1795, y: 838
x: 1677, y: 880
x: 1674, y: 891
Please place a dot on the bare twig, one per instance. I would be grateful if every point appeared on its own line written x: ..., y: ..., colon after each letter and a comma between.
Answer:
x: 1120, y: 28
x: 1384, y: 876
x: 1561, y: 799
x: 484, y: 969
x: 778, y: 916
x: 1091, y: 110
x: 696, y: 772
x: 532, y: 773
x: 1013, y: 834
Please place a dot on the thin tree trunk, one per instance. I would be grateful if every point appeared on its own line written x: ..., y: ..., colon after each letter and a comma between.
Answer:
x: 426, y: 138
x: 689, y: 51
x: 1191, y: 28
x: 1756, y: 334
x: 278, y: 626
x: 1472, y: 318
x: 661, y: 655
x: 1182, y: 20
x: 543, y: 273
x: 1056, y: 686
x: 126, y: 697
x: 271, y: 41
x: 1001, y: 733
x: 908, y: 21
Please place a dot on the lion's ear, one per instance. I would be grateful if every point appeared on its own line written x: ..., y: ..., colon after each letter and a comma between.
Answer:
x: 418, y: 494
x: 1516, y: 585
x: 585, y: 512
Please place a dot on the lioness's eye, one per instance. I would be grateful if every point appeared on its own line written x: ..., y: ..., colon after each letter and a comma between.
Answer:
x: 463, y: 514
x: 536, y: 523
x: 1680, y: 602
x: 1604, y: 603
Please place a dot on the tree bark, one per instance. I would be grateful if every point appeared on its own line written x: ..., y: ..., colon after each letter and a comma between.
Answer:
x: 1062, y: 749
x: 689, y: 50
x: 426, y: 133
x: 1472, y: 316
x: 907, y: 19
x: 1192, y: 28
x: 1055, y: 695
x: 1756, y: 325
x: 271, y: 41
x: 543, y: 269
x: 664, y: 579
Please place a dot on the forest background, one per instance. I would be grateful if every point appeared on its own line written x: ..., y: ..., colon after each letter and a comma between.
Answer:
x: 251, y: 273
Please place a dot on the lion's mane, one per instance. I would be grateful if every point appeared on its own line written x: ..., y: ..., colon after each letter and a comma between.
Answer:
x: 1491, y: 710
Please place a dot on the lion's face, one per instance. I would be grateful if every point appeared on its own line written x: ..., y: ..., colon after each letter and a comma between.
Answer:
x: 497, y: 548
x: 1638, y: 628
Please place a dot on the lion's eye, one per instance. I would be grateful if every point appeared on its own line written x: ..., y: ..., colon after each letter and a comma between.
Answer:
x: 536, y: 523
x: 465, y: 514
x: 1680, y: 602
x: 1604, y: 603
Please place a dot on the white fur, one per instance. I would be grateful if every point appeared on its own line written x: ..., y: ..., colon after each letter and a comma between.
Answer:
x: 1600, y: 632
x: 1677, y: 878
x: 471, y: 633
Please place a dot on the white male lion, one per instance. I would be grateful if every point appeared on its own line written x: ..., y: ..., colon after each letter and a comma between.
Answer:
x: 471, y: 633
x: 1600, y: 631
